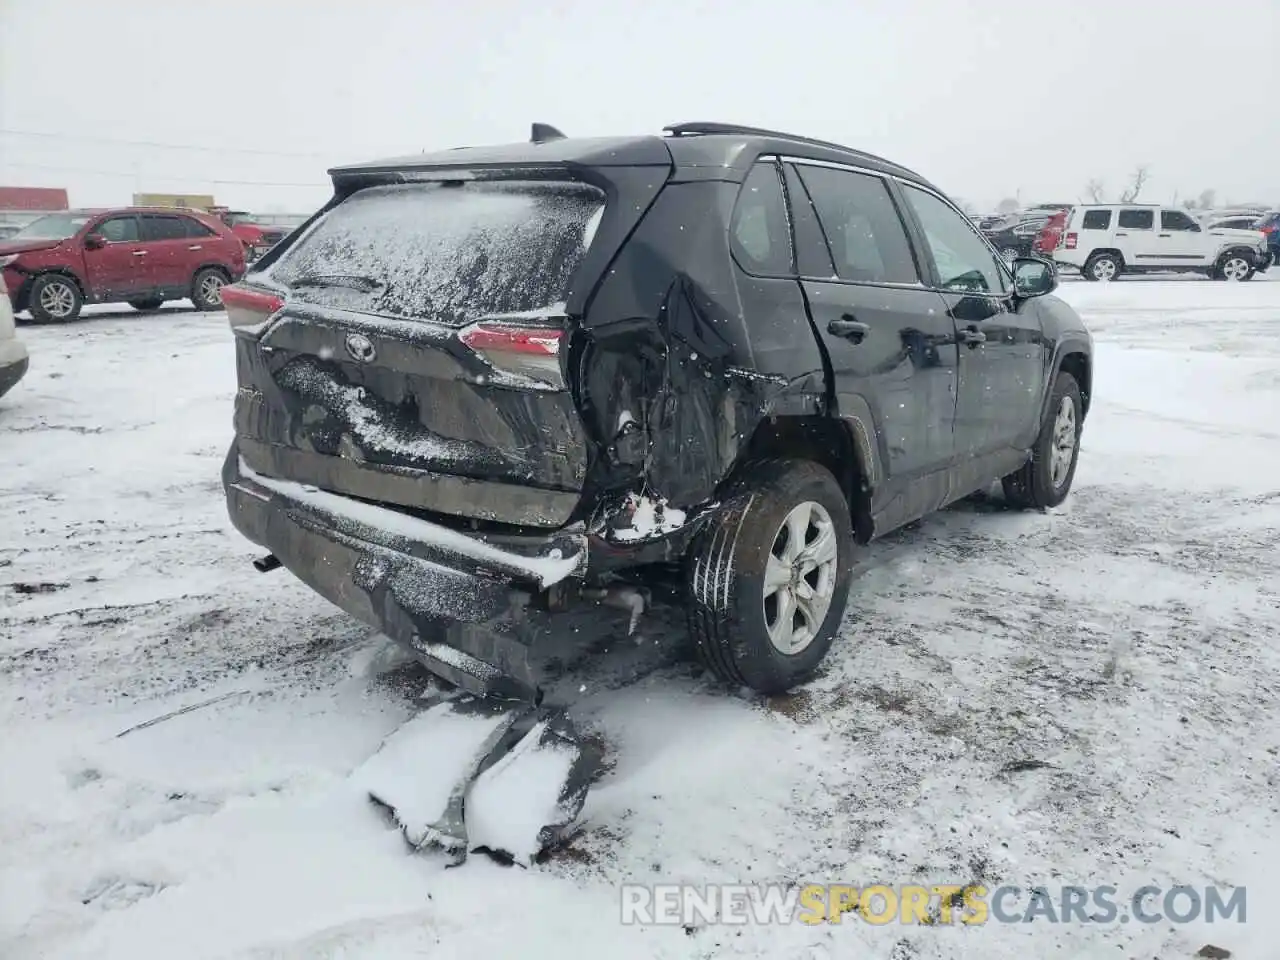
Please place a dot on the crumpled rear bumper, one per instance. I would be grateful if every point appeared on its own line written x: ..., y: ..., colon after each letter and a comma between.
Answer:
x: 472, y: 607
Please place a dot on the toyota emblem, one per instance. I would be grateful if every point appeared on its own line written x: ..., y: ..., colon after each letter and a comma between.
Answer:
x: 360, y: 348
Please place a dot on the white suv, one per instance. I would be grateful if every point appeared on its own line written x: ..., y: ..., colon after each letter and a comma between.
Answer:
x: 1106, y: 240
x: 13, y: 355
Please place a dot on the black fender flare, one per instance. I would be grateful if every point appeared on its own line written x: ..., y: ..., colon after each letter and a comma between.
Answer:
x: 1064, y: 347
x: 855, y: 413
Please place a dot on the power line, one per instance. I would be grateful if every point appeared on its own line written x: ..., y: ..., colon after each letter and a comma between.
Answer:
x: 137, y: 175
x: 156, y: 144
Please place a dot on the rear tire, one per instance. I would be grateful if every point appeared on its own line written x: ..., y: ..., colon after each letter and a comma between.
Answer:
x: 1103, y: 267
x: 206, y: 289
x: 1045, y: 479
x: 154, y: 303
x: 54, y: 298
x: 778, y: 554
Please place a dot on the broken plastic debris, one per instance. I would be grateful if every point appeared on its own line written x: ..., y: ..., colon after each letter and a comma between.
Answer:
x: 649, y: 518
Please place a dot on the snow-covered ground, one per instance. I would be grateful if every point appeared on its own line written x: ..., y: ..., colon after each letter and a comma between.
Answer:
x: 1127, y: 643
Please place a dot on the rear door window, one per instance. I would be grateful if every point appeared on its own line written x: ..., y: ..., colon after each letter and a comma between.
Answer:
x: 1096, y: 220
x: 445, y: 252
x: 1137, y: 219
x: 864, y: 233
x: 163, y: 228
x: 759, y: 232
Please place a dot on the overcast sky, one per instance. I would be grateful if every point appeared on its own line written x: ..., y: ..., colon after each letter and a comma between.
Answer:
x: 987, y: 99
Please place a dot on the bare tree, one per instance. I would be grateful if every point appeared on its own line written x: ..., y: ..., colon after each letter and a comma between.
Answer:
x: 1136, y: 183
x: 1095, y: 190
x: 1207, y: 199
x: 1008, y: 205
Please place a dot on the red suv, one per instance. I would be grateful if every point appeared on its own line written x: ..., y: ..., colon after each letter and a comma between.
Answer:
x: 142, y: 256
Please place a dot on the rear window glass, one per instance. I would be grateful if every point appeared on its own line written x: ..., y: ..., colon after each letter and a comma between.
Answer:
x: 1096, y: 220
x: 448, y: 253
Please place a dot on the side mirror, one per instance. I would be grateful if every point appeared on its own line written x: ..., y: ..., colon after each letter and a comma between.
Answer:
x: 95, y: 241
x: 1033, y: 278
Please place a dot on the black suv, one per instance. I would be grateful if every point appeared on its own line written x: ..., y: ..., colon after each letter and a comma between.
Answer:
x: 488, y: 396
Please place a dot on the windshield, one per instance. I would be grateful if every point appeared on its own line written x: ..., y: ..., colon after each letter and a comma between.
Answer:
x: 55, y: 226
x: 447, y: 253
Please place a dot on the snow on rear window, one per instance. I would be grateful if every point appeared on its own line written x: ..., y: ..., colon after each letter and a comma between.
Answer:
x: 449, y: 253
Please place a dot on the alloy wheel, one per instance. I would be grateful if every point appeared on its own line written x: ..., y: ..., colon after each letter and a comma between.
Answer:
x: 211, y: 289
x: 800, y: 577
x: 1236, y: 268
x: 1063, y: 448
x: 57, y: 299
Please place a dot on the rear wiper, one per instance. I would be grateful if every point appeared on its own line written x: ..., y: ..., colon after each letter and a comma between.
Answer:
x: 352, y: 280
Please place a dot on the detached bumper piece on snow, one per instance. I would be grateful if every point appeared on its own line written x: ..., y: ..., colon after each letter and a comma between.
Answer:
x: 472, y: 774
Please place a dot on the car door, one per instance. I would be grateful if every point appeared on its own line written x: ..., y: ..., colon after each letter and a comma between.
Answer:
x: 1001, y: 340
x: 1180, y: 240
x: 891, y: 346
x: 1136, y: 236
x: 165, y: 239
x: 118, y: 269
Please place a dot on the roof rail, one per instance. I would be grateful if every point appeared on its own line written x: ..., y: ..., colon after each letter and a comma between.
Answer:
x: 711, y: 128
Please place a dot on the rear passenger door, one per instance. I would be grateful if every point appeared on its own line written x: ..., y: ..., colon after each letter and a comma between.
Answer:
x: 1136, y: 235
x: 1002, y: 346
x: 891, y: 345
x: 165, y: 236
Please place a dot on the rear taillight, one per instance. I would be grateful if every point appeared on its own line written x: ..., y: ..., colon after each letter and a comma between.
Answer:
x: 1072, y: 239
x: 248, y: 310
x: 1270, y: 227
x: 520, y: 352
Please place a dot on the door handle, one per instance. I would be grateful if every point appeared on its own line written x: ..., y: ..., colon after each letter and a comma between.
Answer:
x: 1166, y: 234
x: 971, y: 336
x: 848, y: 328
x: 1121, y: 234
x: 139, y: 253
x: 195, y: 246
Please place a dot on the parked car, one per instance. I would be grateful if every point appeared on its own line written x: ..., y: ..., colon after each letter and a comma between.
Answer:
x: 1247, y: 222
x: 142, y: 256
x: 13, y: 354
x: 1269, y: 224
x: 487, y: 394
x: 256, y: 237
x: 1016, y: 239
x: 1105, y: 240
x: 1050, y: 234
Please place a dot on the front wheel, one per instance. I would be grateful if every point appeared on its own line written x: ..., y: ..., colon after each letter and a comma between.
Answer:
x: 769, y: 576
x: 1045, y: 479
x: 1009, y: 254
x: 1235, y: 267
x: 206, y: 289
x: 54, y: 299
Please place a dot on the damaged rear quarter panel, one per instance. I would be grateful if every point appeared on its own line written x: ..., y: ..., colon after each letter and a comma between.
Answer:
x: 685, y: 354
